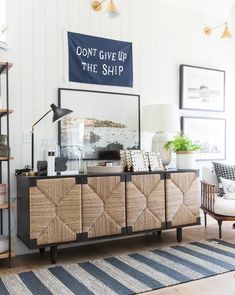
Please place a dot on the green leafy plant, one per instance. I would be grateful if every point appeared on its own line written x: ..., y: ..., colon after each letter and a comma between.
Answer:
x: 181, y: 143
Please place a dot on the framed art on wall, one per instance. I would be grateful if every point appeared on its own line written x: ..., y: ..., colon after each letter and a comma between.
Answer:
x: 210, y: 133
x: 102, y: 124
x: 202, y: 89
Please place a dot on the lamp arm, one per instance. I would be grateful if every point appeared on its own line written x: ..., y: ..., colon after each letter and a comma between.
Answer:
x: 41, y: 118
x: 32, y: 138
x: 224, y: 24
x: 99, y: 4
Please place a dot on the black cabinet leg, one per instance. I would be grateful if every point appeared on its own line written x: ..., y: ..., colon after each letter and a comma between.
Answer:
x: 42, y: 250
x: 53, y: 254
x: 220, y: 228
x: 179, y: 234
x: 159, y: 233
x: 205, y: 219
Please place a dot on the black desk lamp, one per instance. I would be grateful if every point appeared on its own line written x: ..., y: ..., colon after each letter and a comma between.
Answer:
x: 58, y: 114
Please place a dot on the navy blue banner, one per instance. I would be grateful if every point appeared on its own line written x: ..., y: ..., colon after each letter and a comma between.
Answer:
x: 97, y: 60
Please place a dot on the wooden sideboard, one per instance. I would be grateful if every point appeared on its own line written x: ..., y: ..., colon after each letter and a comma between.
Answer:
x: 64, y: 209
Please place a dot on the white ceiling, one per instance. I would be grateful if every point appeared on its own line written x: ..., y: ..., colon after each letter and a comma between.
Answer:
x: 218, y: 8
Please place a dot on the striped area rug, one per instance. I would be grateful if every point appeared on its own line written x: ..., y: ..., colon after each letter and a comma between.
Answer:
x: 127, y: 274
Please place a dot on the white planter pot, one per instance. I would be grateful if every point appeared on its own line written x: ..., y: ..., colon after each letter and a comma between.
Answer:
x: 185, y: 160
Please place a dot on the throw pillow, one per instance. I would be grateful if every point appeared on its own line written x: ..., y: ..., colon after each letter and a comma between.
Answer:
x: 229, y: 188
x: 224, y: 171
x: 209, y: 176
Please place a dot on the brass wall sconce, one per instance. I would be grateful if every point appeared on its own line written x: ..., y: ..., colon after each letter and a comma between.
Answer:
x: 111, y: 11
x: 226, y: 32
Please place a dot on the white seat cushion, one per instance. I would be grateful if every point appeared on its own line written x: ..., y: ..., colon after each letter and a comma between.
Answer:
x: 224, y: 206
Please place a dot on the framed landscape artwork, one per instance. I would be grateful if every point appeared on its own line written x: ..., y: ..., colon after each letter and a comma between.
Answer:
x: 202, y: 89
x: 102, y: 124
x: 210, y: 133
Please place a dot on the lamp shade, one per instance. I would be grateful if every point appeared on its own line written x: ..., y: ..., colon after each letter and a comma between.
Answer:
x: 226, y: 33
x: 59, y: 113
x: 112, y: 11
x: 161, y: 118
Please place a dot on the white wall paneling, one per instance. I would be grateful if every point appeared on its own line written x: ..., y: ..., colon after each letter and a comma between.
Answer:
x: 163, y: 37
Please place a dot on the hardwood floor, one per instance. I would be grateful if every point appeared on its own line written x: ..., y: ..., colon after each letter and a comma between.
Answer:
x: 220, y: 284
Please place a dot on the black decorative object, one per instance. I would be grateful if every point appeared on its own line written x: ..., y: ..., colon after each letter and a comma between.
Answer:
x: 60, y: 164
x: 26, y: 169
x: 42, y: 168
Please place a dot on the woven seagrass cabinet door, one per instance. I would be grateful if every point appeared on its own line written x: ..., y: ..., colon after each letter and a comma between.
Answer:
x: 55, y: 210
x: 182, y: 199
x: 103, y: 206
x: 145, y: 199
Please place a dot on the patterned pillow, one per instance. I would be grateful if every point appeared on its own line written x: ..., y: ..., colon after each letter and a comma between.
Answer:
x: 224, y: 171
x: 229, y: 188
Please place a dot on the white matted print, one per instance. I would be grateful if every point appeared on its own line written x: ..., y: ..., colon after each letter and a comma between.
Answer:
x: 210, y: 133
x: 202, y: 89
x: 139, y: 161
x: 155, y: 161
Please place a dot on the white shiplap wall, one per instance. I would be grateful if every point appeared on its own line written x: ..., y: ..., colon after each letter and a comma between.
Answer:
x: 163, y: 37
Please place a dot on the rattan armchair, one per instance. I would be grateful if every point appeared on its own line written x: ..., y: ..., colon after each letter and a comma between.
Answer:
x: 208, y: 197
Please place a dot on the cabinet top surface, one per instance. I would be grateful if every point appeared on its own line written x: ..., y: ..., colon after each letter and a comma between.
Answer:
x: 110, y: 174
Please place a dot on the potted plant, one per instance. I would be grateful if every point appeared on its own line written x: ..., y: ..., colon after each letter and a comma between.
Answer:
x: 185, y: 151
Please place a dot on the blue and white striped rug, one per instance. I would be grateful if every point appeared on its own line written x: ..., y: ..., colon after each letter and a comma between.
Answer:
x: 127, y: 274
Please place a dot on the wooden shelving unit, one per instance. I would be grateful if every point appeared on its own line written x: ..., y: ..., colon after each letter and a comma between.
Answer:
x: 5, y: 255
x: 5, y: 67
x: 4, y: 206
x: 6, y: 158
x: 4, y: 114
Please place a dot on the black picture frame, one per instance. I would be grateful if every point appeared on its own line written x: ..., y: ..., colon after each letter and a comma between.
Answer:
x: 210, y: 133
x: 201, y: 89
x: 121, y: 132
